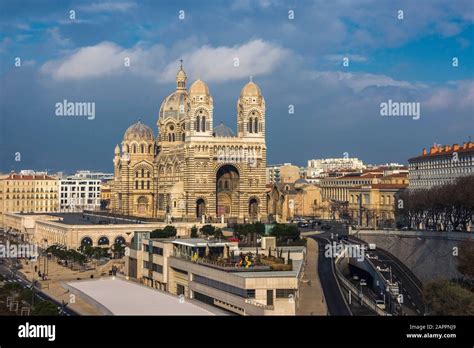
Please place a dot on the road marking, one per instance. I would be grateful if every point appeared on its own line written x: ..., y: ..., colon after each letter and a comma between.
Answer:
x: 408, y: 295
x: 413, y: 303
x: 418, y: 311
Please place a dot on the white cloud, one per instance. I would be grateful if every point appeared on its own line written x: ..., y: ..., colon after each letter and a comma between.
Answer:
x: 56, y: 36
x: 87, y: 62
x: 459, y: 95
x: 108, y: 7
x: 211, y: 63
x: 359, y: 81
x: 217, y: 63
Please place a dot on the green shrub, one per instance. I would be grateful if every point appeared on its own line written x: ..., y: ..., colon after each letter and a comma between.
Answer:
x: 167, y: 232
x: 208, y: 230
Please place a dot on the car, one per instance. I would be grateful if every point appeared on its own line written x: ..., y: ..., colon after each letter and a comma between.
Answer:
x: 302, y: 224
x: 326, y: 227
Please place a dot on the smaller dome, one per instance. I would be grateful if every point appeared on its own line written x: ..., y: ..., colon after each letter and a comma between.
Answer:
x: 117, y: 150
x: 223, y: 131
x: 139, y: 131
x: 181, y: 74
x: 251, y: 90
x: 199, y: 87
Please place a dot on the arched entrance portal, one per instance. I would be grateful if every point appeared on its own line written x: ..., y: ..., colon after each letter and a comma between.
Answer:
x: 103, y: 241
x: 227, y: 186
x: 200, y: 208
x: 253, y: 208
x: 120, y: 240
x: 142, y: 205
x: 86, y: 241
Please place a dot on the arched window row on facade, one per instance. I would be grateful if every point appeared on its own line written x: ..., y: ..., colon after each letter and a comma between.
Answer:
x: 142, y: 184
x: 142, y: 148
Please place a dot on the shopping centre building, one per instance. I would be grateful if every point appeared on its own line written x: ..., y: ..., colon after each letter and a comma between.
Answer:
x: 243, y: 281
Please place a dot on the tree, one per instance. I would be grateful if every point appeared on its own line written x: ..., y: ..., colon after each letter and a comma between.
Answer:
x: 45, y: 308
x: 167, y: 232
x: 443, y: 297
x: 118, y: 249
x: 218, y: 233
x: 447, y: 207
x: 194, y: 232
x: 284, y: 232
x: 208, y: 230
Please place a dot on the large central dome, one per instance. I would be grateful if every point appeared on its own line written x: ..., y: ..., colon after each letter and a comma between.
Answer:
x: 175, y: 105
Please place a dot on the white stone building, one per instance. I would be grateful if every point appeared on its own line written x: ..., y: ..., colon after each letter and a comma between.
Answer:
x: 78, y: 193
x: 441, y: 165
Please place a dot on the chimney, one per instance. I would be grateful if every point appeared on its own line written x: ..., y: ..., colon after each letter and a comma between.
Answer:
x: 424, y: 152
x: 433, y: 150
x: 455, y: 147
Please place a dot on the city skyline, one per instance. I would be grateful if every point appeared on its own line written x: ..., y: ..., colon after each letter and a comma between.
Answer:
x: 404, y: 57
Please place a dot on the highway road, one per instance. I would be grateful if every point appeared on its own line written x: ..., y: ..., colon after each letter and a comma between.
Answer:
x: 332, y: 293
x: 411, y: 287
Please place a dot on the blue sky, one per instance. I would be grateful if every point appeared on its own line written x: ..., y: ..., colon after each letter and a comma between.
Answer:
x: 295, y: 61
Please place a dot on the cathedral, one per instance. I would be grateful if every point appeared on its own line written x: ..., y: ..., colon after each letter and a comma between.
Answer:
x: 192, y: 169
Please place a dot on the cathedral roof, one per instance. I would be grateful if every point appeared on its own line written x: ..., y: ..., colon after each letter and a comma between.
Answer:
x: 174, y: 105
x: 199, y: 87
x: 139, y: 131
x: 223, y: 131
x: 251, y: 90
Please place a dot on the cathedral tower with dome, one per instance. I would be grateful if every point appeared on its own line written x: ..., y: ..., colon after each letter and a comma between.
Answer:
x: 194, y: 170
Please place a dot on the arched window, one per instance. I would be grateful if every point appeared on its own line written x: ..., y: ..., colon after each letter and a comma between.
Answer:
x: 198, y: 124
x: 142, y: 148
x: 136, y: 185
x: 148, y: 185
x: 143, y: 172
x: 183, y: 137
x: 256, y: 125
x: 134, y: 148
x: 147, y: 174
x: 149, y: 148
x: 172, y: 137
x: 249, y: 125
x: 203, y: 124
x: 169, y: 136
x: 143, y: 184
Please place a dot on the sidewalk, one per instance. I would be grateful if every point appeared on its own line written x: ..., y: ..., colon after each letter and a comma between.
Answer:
x: 311, y: 300
x: 57, y: 275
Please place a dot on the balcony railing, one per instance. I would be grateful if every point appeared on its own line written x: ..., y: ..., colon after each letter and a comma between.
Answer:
x: 220, y: 264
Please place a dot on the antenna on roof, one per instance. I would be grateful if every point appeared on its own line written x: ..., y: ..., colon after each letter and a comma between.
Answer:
x: 251, y: 78
x: 181, y: 64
